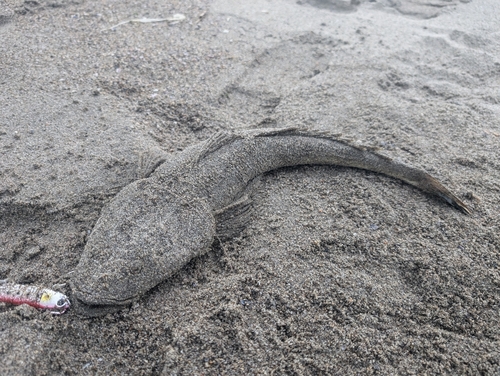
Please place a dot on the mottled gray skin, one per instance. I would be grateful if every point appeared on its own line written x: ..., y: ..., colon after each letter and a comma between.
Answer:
x: 155, y: 226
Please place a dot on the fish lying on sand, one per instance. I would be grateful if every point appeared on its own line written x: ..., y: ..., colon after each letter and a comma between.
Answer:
x: 155, y: 226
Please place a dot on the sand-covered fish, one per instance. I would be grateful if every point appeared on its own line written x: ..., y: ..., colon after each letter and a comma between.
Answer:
x: 156, y: 225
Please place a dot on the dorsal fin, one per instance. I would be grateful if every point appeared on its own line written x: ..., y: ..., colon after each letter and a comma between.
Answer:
x: 314, y: 133
x: 215, y: 142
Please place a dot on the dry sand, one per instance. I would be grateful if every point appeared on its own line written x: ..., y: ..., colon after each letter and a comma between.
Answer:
x: 341, y: 271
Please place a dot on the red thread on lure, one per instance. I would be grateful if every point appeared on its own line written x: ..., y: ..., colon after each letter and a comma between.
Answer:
x: 34, y: 296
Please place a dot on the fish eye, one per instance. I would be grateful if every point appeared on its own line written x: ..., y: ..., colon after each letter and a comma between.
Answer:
x: 61, y: 302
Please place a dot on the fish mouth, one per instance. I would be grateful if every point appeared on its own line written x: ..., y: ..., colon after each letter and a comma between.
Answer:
x: 84, y: 305
x: 95, y: 310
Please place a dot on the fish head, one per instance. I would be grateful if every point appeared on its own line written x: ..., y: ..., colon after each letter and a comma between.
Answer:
x: 141, y: 239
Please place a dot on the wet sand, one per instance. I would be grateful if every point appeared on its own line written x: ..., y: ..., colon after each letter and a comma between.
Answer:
x: 341, y: 271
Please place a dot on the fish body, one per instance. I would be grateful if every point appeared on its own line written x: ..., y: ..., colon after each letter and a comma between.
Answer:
x: 156, y: 225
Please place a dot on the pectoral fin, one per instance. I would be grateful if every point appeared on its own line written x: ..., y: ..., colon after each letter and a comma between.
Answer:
x: 232, y: 220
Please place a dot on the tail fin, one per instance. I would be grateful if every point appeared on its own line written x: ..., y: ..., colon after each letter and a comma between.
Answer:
x: 430, y: 184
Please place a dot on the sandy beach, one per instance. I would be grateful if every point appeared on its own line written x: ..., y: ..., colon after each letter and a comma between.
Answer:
x: 340, y: 271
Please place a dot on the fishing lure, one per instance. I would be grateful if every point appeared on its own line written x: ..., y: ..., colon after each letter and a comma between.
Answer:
x: 35, y: 296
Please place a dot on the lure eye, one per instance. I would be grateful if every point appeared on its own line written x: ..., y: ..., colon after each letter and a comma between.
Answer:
x: 61, y: 303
